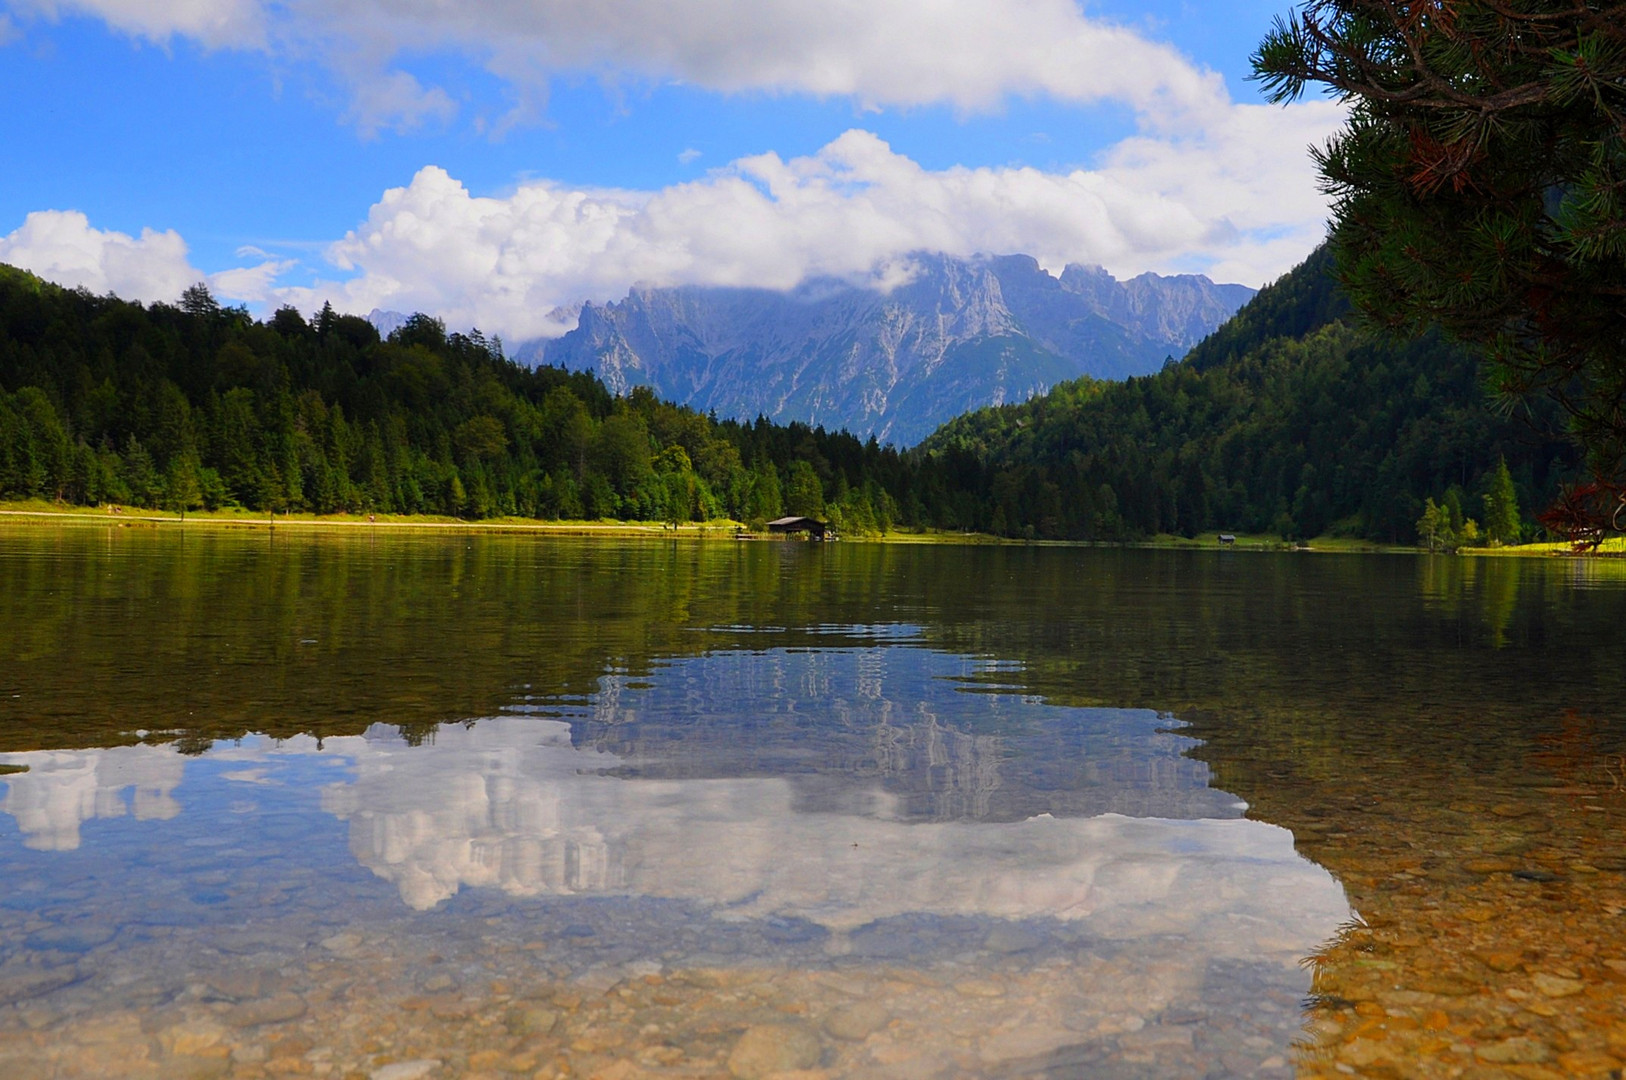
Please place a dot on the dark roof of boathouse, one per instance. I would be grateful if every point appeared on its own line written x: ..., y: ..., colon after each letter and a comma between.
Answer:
x: 798, y: 524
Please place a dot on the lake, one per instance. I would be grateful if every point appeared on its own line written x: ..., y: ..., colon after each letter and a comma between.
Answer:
x: 405, y: 805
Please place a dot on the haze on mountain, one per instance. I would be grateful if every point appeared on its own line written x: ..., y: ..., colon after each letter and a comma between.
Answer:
x: 894, y: 362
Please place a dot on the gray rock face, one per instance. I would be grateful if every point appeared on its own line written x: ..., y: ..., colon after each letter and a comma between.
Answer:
x: 386, y: 322
x: 1181, y: 310
x: 961, y: 334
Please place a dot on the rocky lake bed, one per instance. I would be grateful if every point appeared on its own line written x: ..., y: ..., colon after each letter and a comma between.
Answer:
x: 454, y: 807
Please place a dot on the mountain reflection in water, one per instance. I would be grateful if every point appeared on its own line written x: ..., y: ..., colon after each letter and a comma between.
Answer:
x: 511, y: 803
x: 794, y: 811
x: 507, y: 805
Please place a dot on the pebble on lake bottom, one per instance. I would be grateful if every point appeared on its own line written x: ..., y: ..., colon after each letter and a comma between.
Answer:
x: 368, y: 1017
x: 1481, y: 950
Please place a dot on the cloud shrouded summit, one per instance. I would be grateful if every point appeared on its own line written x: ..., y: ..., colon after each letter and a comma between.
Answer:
x: 1234, y: 206
x: 1202, y: 184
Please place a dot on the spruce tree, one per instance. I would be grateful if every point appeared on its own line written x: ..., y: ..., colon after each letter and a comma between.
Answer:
x: 1481, y: 182
x: 1502, y: 506
x: 182, y: 490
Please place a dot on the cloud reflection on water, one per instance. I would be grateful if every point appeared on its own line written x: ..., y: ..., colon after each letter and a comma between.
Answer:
x: 511, y: 804
x: 63, y: 789
x: 810, y: 785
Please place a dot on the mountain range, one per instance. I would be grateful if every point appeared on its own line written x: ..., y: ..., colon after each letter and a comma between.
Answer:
x: 957, y: 335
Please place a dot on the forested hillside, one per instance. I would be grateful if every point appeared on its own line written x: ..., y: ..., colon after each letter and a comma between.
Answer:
x: 201, y: 406
x: 1288, y: 419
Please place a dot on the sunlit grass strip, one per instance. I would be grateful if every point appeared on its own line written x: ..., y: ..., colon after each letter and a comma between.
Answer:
x: 1615, y: 545
x: 43, y: 509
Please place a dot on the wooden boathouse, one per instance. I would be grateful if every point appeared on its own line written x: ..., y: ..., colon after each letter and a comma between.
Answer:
x: 814, y: 528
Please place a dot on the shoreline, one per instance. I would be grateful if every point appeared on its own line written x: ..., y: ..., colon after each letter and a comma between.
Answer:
x: 43, y: 513
x: 154, y: 519
x: 722, y: 529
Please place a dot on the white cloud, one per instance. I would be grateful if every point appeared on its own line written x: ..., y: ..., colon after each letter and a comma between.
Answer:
x: 254, y: 284
x: 62, y: 246
x: 396, y: 101
x: 689, y: 156
x: 216, y: 23
x: 510, y: 804
x: 1205, y: 184
x: 1240, y: 200
x: 63, y: 789
x: 970, y: 54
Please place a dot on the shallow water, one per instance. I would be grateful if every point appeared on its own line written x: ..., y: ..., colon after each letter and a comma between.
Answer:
x: 484, y: 806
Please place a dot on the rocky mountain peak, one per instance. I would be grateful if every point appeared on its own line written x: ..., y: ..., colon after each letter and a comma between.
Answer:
x: 953, y: 335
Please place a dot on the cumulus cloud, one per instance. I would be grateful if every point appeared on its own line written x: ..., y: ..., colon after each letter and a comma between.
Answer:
x: 1239, y: 200
x: 1204, y: 184
x: 62, y: 246
x: 254, y: 284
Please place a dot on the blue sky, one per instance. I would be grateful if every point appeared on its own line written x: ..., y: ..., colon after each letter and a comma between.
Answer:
x: 548, y: 151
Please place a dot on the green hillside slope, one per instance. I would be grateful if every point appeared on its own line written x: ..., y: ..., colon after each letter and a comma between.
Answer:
x: 1287, y: 419
x: 102, y: 400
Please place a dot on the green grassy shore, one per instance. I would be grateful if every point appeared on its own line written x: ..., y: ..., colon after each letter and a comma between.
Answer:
x: 47, y: 512
x: 1614, y: 547
x: 44, y: 511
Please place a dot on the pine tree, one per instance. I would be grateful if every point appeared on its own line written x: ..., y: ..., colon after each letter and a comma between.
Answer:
x: 182, y: 490
x: 199, y: 302
x: 1501, y: 500
x: 1481, y: 182
x: 804, y: 495
x: 139, y: 476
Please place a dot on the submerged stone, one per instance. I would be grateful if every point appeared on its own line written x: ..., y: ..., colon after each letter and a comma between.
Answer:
x: 1011, y: 938
x: 857, y: 1022
x: 277, y: 1009
x: 1519, y: 1050
x: 26, y: 984
x: 531, y: 1020
x: 1555, y: 986
x: 196, y: 1068
x: 774, y: 1048
x: 406, y: 1070
x: 77, y: 938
